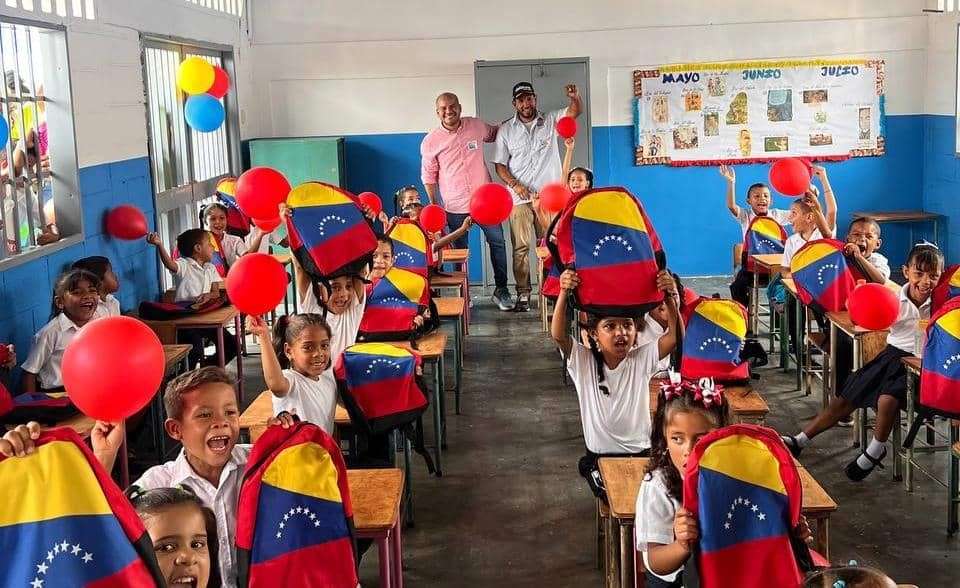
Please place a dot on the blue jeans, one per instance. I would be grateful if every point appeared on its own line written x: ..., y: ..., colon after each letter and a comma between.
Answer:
x: 494, y: 236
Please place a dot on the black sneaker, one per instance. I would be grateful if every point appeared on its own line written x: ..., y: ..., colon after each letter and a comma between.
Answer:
x: 857, y: 473
x: 503, y: 300
x: 846, y: 421
x: 791, y: 442
x: 523, y: 303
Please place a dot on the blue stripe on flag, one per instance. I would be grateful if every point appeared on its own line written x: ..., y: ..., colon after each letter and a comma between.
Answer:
x: 287, y: 521
x: 818, y: 276
x: 733, y: 511
x: 704, y: 339
x: 317, y: 224
x: 363, y: 368
x: 598, y: 244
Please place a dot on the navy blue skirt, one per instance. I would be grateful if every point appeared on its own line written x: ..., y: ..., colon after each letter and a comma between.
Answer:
x: 883, y: 375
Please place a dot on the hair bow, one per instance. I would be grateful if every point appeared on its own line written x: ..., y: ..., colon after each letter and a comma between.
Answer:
x: 709, y: 393
x: 676, y: 387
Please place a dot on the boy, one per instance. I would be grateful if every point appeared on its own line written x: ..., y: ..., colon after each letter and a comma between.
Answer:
x: 863, y: 241
x: 203, y: 415
x: 101, y: 267
x: 809, y: 224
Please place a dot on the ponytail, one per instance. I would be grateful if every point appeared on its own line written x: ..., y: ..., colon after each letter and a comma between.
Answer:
x: 280, y: 338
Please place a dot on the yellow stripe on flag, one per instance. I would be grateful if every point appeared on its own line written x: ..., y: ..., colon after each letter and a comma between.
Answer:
x: 408, y: 283
x: 316, y: 194
x: 726, y: 314
x: 746, y: 459
x: 768, y: 228
x: 810, y: 255
x: 305, y: 469
x: 378, y: 349
x: 613, y: 207
x: 955, y: 279
x: 55, y: 481
x: 409, y: 235
x: 227, y: 186
x: 950, y: 323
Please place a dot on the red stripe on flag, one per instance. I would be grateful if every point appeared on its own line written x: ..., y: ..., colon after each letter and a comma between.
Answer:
x: 299, y: 569
x: 387, y: 396
x: 834, y: 298
x: 342, y: 248
x: 751, y: 564
x: 691, y: 367
x: 939, y: 392
x: 385, y: 319
x: 605, y: 286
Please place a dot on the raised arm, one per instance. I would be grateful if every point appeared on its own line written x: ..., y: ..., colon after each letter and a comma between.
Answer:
x: 576, y: 103
x: 559, y: 327
x: 256, y: 241
x: 272, y: 372
x: 168, y: 262
x: 453, y: 236
x: 668, y: 341
x: 831, y: 214
x: 570, y: 144
x: 731, y: 176
x: 824, y: 227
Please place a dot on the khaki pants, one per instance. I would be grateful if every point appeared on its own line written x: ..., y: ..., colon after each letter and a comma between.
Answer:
x: 524, y: 232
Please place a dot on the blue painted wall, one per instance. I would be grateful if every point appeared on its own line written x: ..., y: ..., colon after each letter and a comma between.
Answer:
x: 941, y: 178
x: 25, y: 290
x: 687, y: 204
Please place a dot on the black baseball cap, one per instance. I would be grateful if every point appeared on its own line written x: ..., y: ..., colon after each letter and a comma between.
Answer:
x: 522, y: 88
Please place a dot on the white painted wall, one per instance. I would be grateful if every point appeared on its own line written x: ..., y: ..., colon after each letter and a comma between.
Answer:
x: 106, y: 74
x: 375, y: 66
x: 940, y: 96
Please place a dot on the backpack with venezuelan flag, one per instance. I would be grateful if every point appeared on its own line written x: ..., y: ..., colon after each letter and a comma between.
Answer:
x: 764, y: 236
x: 715, y: 332
x: 47, y: 408
x: 393, y: 302
x: 295, y: 518
x: 550, y: 280
x: 948, y: 287
x: 412, y: 247
x: 605, y: 235
x: 63, y: 522
x: 824, y: 276
x: 327, y: 231
x: 237, y: 222
x: 744, y: 488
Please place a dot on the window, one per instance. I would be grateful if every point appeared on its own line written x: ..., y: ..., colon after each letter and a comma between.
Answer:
x: 75, y: 8
x: 234, y: 7
x: 186, y: 164
x: 38, y: 164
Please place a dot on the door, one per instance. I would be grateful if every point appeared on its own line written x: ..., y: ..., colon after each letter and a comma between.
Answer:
x: 494, y: 82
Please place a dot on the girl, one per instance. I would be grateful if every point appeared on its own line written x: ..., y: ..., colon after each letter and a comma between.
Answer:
x: 578, y: 179
x: 296, y: 367
x: 183, y: 533
x: 666, y: 533
x: 214, y: 217
x: 76, y: 296
x: 382, y: 258
x: 408, y: 204
x: 109, y: 284
x: 612, y: 376
x: 882, y: 382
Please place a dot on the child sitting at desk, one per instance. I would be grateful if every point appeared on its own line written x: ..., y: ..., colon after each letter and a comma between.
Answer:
x: 109, y: 284
x: 882, y: 382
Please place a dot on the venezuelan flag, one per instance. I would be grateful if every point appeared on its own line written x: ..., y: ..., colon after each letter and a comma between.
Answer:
x: 380, y: 378
x: 947, y: 288
x: 745, y: 491
x: 227, y: 191
x: 822, y: 275
x: 57, y: 526
x: 411, y: 248
x: 219, y: 260
x: 393, y: 301
x: 940, y: 376
x: 712, y: 341
x: 764, y: 236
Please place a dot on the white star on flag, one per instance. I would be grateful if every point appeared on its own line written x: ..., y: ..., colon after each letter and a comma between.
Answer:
x: 64, y: 546
x: 286, y: 517
x: 726, y: 525
x: 42, y: 568
x: 299, y: 510
x: 313, y: 517
x: 75, y: 550
x: 762, y: 516
x: 37, y: 583
x: 87, y: 557
x: 56, y: 548
x: 755, y: 508
x: 316, y: 524
x: 281, y: 525
x: 278, y: 535
x: 49, y: 556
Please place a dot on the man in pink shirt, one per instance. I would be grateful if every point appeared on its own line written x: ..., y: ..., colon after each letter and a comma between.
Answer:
x: 451, y: 159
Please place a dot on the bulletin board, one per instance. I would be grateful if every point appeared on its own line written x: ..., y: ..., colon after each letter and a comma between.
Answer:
x: 758, y: 111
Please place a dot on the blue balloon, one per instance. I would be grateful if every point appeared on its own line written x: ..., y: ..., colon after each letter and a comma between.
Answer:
x: 4, y: 132
x: 204, y: 113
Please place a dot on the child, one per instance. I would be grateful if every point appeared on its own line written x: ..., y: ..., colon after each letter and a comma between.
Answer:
x: 851, y: 577
x: 881, y: 383
x: 409, y: 205
x: 382, y: 258
x: 183, y: 533
x: 296, y: 367
x: 809, y: 224
x: 665, y: 532
x: 578, y: 179
x: 75, y: 298
x: 100, y: 266
x: 342, y: 306
x: 214, y: 216
x: 863, y: 241
x: 612, y: 376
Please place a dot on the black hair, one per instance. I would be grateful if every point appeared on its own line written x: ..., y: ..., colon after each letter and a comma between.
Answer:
x: 190, y: 239
x: 852, y: 576
x: 97, y: 265
x: 586, y: 172
x: 205, y: 210
x: 67, y: 281
x: 925, y: 257
x: 381, y: 238
x: 288, y: 328
x: 685, y: 401
x: 757, y: 186
x: 399, y: 193
x: 590, y: 324
x: 152, y: 502
x: 865, y: 220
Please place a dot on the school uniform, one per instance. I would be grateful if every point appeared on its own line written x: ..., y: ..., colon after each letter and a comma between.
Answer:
x: 107, y: 306
x: 46, y: 353
x: 656, y: 510
x: 743, y: 282
x: 233, y: 248
x: 194, y: 280
x: 343, y: 326
x: 314, y: 401
x: 880, y: 262
x: 221, y: 499
x: 651, y: 332
x: 885, y: 374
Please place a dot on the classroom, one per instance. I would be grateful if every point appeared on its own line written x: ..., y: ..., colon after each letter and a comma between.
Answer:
x: 373, y: 293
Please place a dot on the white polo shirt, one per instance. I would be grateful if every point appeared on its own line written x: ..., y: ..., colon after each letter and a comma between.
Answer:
x: 222, y: 499
x: 880, y: 262
x: 194, y: 279
x: 107, y: 306
x: 532, y: 154
x: 314, y: 401
x: 233, y: 248
x: 46, y: 353
x: 343, y: 327
x: 794, y: 242
x: 904, y: 329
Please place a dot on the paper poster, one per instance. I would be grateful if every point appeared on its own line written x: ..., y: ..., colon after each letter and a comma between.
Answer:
x: 758, y: 111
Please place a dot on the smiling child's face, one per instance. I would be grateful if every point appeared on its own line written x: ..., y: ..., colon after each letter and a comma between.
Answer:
x: 209, y: 425
x: 180, y: 542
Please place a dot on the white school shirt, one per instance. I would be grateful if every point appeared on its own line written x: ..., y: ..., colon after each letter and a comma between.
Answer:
x: 269, y: 239
x: 747, y: 215
x: 46, y: 353
x: 194, y: 279
x: 109, y: 306
x: 880, y: 262
x: 655, y: 510
x: 530, y: 151
x: 222, y: 500
x: 904, y: 329
x: 618, y: 422
x: 652, y: 331
x: 793, y: 244
x: 314, y: 401
x: 233, y: 248
x: 343, y: 326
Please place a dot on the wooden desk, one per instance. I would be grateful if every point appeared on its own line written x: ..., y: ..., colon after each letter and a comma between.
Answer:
x: 456, y: 280
x: 452, y: 309
x: 455, y: 256
x: 376, y: 495
x: 905, y: 216
x: 768, y: 262
x: 174, y: 354
x: 254, y: 419
x: 772, y: 262
x: 746, y: 404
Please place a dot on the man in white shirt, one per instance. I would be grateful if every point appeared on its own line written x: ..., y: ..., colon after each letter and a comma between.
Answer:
x: 527, y: 158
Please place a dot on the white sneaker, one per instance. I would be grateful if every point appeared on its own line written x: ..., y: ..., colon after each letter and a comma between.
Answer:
x: 503, y: 300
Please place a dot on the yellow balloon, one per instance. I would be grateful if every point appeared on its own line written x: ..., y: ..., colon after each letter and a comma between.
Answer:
x: 195, y: 76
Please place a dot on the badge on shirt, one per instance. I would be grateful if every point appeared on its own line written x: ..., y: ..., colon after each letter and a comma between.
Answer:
x: 472, y: 145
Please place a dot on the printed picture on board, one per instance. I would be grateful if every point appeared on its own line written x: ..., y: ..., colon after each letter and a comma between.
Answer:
x: 653, y: 146
x: 711, y: 124
x: 693, y: 101
x: 685, y: 137
x: 820, y: 116
x: 660, y: 109
x: 820, y: 139
x: 865, y: 124
x: 814, y: 96
x: 780, y: 105
x: 745, y: 142
x: 737, y: 115
x: 771, y: 144
x: 717, y: 85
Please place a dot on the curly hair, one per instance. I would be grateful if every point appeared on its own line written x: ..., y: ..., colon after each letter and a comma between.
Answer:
x: 717, y: 414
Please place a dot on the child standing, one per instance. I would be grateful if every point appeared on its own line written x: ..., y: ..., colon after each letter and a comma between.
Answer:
x: 612, y: 376
x: 666, y: 533
x: 382, y: 258
x: 214, y: 216
x: 408, y: 204
x: 75, y: 298
x: 881, y: 383
x: 100, y: 266
x: 296, y: 367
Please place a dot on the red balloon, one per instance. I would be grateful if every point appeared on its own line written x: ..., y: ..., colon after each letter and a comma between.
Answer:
x: 491, y: 204
x: 372, y: 201
x: 873, y: 306
x: 256, y: 283
x: 113, y: 367
x: 126, y: 222
x: 267, y: 225
x: 789, y: 176
x: 566, y: 126
x: 221, y: 83
x: 260, y: 191
x: 553, y: 197
x: 433, y: 218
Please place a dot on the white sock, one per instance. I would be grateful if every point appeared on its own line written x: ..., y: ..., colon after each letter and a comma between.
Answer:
x: 802, y: 439
x: 874, y: 450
